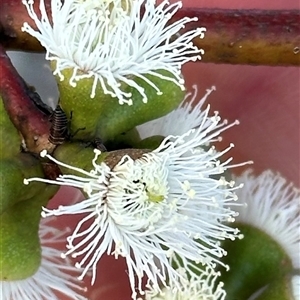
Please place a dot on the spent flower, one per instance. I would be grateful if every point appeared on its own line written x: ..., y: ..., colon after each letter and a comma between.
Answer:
x: 173, y: 200
x: 114, y: 42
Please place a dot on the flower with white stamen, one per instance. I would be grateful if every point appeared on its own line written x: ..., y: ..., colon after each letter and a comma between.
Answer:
x: 173, y: 200
x: 273, y: 206
x: 202, y: 287
x: 54, y: 278
x: 114, y: 42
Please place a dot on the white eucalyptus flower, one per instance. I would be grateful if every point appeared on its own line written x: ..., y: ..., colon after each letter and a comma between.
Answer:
x: 202, y: 287
x: 173, y: 200
x: 273, y: 206
x: 54, y: 278
x: 115, y: 40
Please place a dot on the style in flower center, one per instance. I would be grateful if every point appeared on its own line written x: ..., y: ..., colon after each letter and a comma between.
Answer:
x: 138, y: 191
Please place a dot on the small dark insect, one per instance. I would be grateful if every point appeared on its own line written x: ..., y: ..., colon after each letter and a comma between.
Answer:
x: 59, y: 130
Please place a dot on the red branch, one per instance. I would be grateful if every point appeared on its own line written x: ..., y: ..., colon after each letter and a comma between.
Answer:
x: 19, y: 102
x: 257, y: 37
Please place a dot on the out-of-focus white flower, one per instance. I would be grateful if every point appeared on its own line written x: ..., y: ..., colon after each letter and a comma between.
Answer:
x: 201, y: 287
x: 296, y: 286
x: 54, y: 278
x: 114, y: 41
x: 173, y: 200
x: 273, y: 206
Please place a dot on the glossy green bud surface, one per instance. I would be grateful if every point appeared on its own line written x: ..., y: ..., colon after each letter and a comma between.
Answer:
x: 9, y: 136
x: 103, y: 116
x: 254, y: 261
x: 19, y: 241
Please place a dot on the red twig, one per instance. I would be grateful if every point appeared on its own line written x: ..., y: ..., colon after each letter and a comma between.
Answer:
x: 255, y: 37
x: 19, y: 102
x: 258, y: 37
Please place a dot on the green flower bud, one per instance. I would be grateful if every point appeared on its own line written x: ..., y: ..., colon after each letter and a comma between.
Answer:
x: 151, y: 142
x: 280, y: 289
x: 129, y: 139
x: 254, y: 261
x: 20, y: 248
x: 109, y: 53
x: 13, y: 171
x: 79, y: 155
x: 20, y: 215
x: 103, y: 116
x: 10, y: 138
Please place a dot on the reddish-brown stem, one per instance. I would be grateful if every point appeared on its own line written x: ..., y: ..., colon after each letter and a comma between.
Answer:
x: 18, y: 101
x: 256, y: 37
x: 12, y: 16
